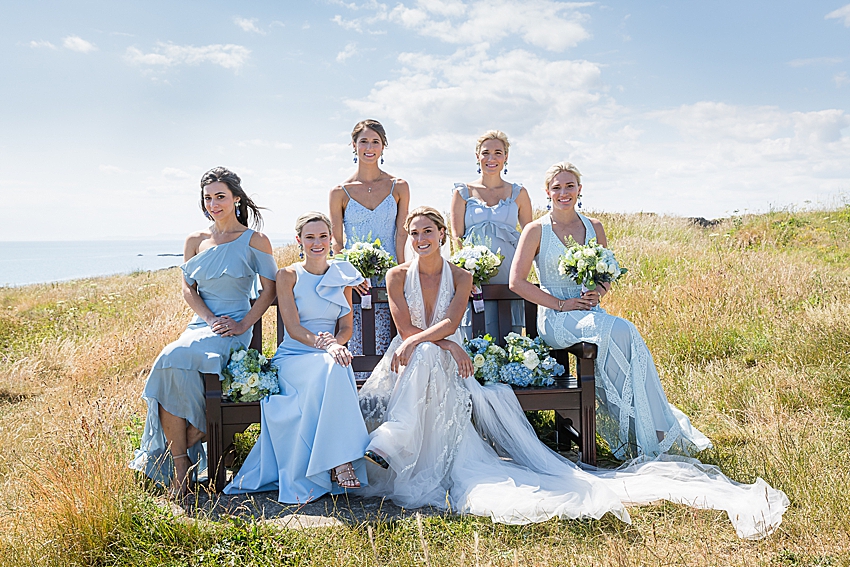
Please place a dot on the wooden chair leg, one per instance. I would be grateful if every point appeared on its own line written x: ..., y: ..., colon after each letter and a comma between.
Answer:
x: 215, y: 461
x: 588, y: 410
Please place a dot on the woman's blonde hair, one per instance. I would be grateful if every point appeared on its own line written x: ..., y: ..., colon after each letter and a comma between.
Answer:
x: 493, y: 135
x: 433, y: 214
x: 310, y: 217
x: 560, y: 167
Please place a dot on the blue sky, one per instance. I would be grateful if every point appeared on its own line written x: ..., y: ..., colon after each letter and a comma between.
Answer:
x: 112, y: 111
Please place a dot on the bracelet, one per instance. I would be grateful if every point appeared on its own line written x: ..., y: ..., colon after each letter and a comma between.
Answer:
x: 561, y: 303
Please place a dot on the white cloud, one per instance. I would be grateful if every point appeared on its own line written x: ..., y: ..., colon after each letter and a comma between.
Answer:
x: 841, y: 13
x: 174, y: 173
x: 257, y: 143
x: 841, y: 79
x: 76, y: 43
x: 168, y: 54
x: 815, y: 61
x: 248, y: 25
x: 350, y: 50
x: 554, y: 26
x: 41, y: 43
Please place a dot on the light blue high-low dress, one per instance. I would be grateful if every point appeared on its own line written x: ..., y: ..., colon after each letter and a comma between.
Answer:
x: 227, y: 280
x: 360, y: 224
x: 632, y: 409
x: 494, y: 227
x: 314, y: 424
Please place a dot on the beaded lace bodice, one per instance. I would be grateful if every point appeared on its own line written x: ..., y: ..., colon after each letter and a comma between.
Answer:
x: 546, y: 262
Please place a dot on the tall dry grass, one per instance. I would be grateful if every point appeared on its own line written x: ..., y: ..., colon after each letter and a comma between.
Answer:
x: 747, y: 322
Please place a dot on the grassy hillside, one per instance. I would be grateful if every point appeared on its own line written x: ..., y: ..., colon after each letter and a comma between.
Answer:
x: 748, y: 322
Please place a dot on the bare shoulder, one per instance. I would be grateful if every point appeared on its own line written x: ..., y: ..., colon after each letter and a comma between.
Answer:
x: 193, y: 241
x: 401, y: 186
x: 533, y: 229
x: 338, y: 194
x: 287, y: 275
x: 397, y: 272
x: 597, y: 225
x: 460, y: 275
x: 261, y: 242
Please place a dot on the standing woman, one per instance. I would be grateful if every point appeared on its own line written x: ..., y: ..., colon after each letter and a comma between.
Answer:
x: 371, y: 204
x: 633, y: 413
x: 486, y: 211
x: 312, y: 434
x: 220, y: 272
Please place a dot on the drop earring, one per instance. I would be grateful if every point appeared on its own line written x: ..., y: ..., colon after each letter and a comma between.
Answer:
x: 579, y: 201
x: 238, y: 214
x: 301, y: 251
x: 506, y: 168
x: 549, y: 204
x: 382, y: 159
x: 207, y: 214
x: 355, y: 159
x: 479, y: 166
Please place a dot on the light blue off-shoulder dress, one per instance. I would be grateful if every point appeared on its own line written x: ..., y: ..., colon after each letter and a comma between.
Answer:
x: 362, y: 223
x: 632, y: 413
x: 227, y: 280
x: 495, y: 228
x: 315, y: 423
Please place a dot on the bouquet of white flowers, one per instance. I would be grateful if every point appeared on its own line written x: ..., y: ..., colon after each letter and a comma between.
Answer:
x: 371, y: 260
x: 525, y: 361
x: 482, y: 263
x: 248, y: 377
x: 589, y: 265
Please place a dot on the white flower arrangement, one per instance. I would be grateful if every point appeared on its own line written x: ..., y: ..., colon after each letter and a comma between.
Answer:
x: 248, y: 377
x: 589, y: 265
x: 525, y: 361
x: 479, y: 260
x: 369, y: 258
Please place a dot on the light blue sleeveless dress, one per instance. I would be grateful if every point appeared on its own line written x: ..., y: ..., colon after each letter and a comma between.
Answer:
x: 360, y: 224
x: 631, y: 404
x: 314, y: 424
x: 226, y: 275
x: 494, y: 227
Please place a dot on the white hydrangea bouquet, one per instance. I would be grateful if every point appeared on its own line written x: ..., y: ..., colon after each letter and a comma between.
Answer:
x: 248, y: 377
x: 371, y: 260
x: 589, y: 265
x: 525, y: 361
x: 483, y: 263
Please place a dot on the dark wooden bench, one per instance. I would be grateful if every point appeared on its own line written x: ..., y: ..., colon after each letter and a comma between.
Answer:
x: 572, y: 398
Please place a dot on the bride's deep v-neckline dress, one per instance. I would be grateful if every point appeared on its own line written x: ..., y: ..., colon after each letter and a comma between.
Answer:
x: 421, y: 420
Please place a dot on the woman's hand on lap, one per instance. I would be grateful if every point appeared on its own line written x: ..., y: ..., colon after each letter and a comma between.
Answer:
x: 340, y: 354
x: 402, y: 355
x: 226, y: 326
x: 464, y: 363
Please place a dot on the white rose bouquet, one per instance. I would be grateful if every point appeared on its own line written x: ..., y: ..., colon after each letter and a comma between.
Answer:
x: 248, y: 377
x: 483, y: 263
x: 371, y: 260
x: 528, y: 362
x: 589, y: 265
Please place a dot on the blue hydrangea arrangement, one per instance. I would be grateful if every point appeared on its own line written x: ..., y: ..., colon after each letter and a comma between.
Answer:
x: 525, y: 361
x: 248, y: 377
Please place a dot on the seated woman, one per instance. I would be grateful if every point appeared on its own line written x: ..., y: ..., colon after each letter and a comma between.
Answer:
x: 418, y: 406
x: 633, y: 414
x: 312, y: 434
x: 219, y: 278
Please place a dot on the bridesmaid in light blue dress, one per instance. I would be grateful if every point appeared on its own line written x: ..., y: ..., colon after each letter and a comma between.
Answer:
x: 220, y: 277
x: 368, y: 205
x: 312, y: 436
x: 487, y: 211
x: 633, y: 414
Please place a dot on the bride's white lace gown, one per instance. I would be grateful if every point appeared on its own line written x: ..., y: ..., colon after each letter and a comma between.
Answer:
x: 422, y: 421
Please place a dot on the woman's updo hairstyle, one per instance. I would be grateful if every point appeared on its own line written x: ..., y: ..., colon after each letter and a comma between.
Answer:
x: 493, y: 135
x: 372, y: 125
x: 430, y: 212
x: 246, y: 205
x: 308, y: 218
x: 560, y: 167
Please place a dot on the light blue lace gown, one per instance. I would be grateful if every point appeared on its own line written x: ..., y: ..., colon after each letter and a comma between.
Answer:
x: 227, y: 279
x: 631, y: 404
x: 314, y: 424
x: 494, y: 227
x: 361, y: 223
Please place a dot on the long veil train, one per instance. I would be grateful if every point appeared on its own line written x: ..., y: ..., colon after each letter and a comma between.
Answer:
x: 420, y: 419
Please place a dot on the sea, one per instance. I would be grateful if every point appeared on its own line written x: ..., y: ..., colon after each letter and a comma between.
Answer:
x: 23, y: 263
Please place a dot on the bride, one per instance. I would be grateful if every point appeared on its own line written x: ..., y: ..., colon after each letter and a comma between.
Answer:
x: 419, y: 407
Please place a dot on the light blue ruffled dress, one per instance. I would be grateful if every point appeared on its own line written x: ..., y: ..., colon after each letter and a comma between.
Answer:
x: 315, y: 423
x: 361, y: 223
x: 494, y: 227
x: 632, y: 408
x: 227, y: 280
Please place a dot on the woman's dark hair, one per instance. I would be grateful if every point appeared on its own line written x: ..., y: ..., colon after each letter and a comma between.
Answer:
x: 372, y: 125
x: 235, y: 185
